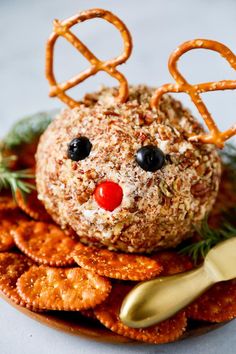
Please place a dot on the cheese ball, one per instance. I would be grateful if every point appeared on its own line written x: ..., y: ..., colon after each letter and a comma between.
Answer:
x: 124, y: 176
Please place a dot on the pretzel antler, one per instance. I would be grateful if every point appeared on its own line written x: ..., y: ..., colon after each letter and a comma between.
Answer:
x: 215, y: 136
x: 62, y: 28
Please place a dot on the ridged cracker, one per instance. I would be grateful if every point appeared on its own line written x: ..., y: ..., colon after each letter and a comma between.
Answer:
x: 6, y: 239
x: 172, y: 262
x: 9, y: 220
x: 12, y: 266
x: 7, y: 203
x: 218, y: 304
x: 45, y: 243
x: 89, y: 314
x: 71, y: 289
x: 165, y: 332
x: 32, y: 206
x: 116, y: 265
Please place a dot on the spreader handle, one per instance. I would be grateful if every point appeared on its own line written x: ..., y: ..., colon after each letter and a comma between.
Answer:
x: 156, y: 300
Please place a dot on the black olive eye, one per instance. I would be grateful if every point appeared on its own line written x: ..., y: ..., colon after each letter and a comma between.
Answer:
x: 79, y: 148
x: 150, y: 158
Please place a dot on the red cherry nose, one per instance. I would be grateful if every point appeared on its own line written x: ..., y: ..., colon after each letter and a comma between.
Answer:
x: 108, y: 195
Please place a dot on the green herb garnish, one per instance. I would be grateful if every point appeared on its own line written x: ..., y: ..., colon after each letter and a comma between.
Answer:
x: 14, y: 180
x: 28, y: 129
x: 209, y: 238
x: 24, y: 131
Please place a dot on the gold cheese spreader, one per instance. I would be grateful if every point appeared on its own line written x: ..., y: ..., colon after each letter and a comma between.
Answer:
x: 153, y: 301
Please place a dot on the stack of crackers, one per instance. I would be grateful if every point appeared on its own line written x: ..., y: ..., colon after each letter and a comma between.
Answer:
x: 44, y: 268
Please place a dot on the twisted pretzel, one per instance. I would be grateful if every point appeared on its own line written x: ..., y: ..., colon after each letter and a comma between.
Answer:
x: 62, y: 28
x: 215, y: 136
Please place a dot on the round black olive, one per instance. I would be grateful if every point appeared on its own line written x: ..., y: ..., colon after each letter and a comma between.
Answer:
x: 150, y: 158
x: 79, y: 148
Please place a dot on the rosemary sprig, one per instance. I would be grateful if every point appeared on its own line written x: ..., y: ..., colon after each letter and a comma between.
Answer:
x: 14, y: 180
x: 209, y: 238
x: 24, y: 131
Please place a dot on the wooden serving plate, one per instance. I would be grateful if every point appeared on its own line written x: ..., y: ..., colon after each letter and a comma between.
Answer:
x: 76, y: 324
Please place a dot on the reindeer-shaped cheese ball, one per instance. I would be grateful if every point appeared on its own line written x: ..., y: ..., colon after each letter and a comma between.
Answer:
x: 125, y: 168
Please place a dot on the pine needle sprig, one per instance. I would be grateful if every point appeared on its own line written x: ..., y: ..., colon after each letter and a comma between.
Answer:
x: 209, y: 238
x: 14, y: 180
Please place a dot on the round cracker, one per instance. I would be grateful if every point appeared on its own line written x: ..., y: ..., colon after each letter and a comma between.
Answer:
x: 9, y: 221
x: 108, y: 314
x: 12, y: 266
x: 32, y: 206
x: 6, y: 239
x: 172, y: 262
x: 45, y: 243
x: 115, y: 264
x: 89, y: 314
x: 218, y: 304
x: 7, y: 203
x: 71, y: 289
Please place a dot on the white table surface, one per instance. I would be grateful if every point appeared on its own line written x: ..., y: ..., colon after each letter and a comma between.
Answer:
x: 157, y: 26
